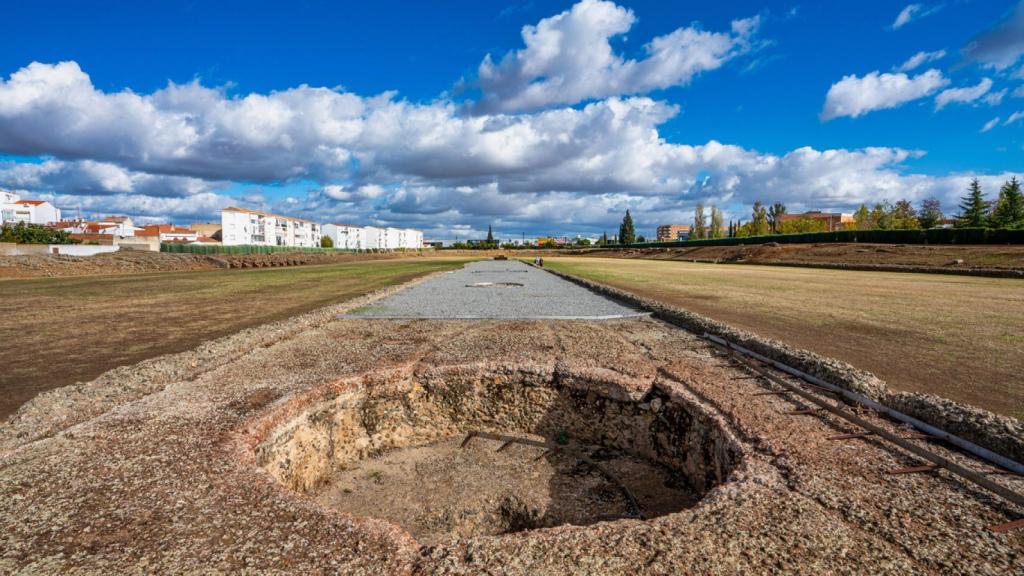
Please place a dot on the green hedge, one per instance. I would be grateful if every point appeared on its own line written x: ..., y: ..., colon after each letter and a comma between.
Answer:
x: 244, y: 249
x: 931, y: 236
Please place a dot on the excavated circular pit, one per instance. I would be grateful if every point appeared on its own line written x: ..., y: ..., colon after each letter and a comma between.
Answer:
x: 543, y: 451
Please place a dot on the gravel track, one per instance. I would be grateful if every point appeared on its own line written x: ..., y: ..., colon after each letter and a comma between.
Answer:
x: 497, y: 290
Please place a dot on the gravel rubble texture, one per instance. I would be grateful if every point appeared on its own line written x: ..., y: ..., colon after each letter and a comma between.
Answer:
x: 134, y: 261
x: 496, y: 289
x: 152, y: 468
x: 1001, y: 434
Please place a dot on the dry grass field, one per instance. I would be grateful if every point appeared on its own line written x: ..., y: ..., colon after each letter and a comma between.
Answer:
x: 57, y: 331
x: 957, y: 336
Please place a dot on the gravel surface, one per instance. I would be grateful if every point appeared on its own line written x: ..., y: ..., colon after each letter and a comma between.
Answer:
x: 497, y: 289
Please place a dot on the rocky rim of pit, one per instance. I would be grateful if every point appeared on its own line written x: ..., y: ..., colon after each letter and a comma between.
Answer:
x: 306, y: 441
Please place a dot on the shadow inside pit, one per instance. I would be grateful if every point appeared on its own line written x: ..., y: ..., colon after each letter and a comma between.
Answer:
x: 396, y: 452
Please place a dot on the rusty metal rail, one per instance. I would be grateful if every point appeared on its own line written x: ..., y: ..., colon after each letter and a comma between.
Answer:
x: 965, y: 445
x: 936, y: 460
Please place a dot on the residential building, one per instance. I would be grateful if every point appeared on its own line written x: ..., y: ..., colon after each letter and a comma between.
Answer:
x: 374, y: 238
x: 121, y: 225
x: 346, y: 236
x: 169, y: 233
x: 413, y: 239
x: 673, y: 232
x: 210, y: 229
x: 833, y: 220
x: 13, y: 209
x: 404, y: 239
x: 242, y: 226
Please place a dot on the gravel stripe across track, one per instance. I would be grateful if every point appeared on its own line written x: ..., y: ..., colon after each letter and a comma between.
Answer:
x: 497, y: 289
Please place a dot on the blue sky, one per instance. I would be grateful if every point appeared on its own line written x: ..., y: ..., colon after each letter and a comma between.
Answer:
x: 747, y: 100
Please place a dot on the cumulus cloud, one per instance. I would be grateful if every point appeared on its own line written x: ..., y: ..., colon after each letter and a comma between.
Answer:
x: 1001, y: 46
x: 568, y: 58
x: 963, y: 95
x: 919, y: 59
x: 387, y: 161
x: 204, y: 206
x: 855, y: 96
x: 913, y: 12
x: 98, y: 178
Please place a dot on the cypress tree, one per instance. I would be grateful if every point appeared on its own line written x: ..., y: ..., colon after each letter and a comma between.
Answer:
x: 627, y: 234
x: 973, y: 207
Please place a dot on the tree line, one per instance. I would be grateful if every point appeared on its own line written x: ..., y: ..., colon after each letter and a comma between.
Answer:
x: 1006, y: 211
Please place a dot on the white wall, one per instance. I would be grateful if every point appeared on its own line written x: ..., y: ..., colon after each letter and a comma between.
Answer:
x: 81, y: 249
x: 346, y: 237
x: 373, y: 237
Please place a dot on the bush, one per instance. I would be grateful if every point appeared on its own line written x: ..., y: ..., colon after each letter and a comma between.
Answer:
x: 242, y: 249
x: 326, y: 242
x: 23, y: 233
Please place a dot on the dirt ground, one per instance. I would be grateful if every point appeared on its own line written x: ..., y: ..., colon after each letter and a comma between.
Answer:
x: 956, y: 336
x: 940, y: 256
x: 58, y: 331
x: 443, y: 489
x: 130, y: 261
x: 163, y: 474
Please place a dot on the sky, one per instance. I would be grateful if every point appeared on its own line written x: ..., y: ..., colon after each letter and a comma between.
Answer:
x: 536, y: 117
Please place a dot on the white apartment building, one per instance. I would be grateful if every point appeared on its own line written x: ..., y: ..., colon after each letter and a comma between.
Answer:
x: 410, y: 239
x: 13, y: 210
x: 346, y: 236
x: 393, y: 238
x: 374, y: 238
x: 240, y: 226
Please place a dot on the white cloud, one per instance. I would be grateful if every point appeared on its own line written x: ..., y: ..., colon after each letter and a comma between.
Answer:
x: 1018, y: 92
x: 995, y: 98
x: 919, y: 59
x: 853, y: 96
x: 990, y: 124
x: 89, y: 177
x: 1001, y: 46
x: 913, y: 12
x: 200, y: 207
x: 383, y: 160
x: 1014, y: 118
x: 568, y: 58
x: 963, y: 95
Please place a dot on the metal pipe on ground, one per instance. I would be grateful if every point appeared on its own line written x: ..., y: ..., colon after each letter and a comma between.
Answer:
x: 854, y: 397
x: 936, y: 459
